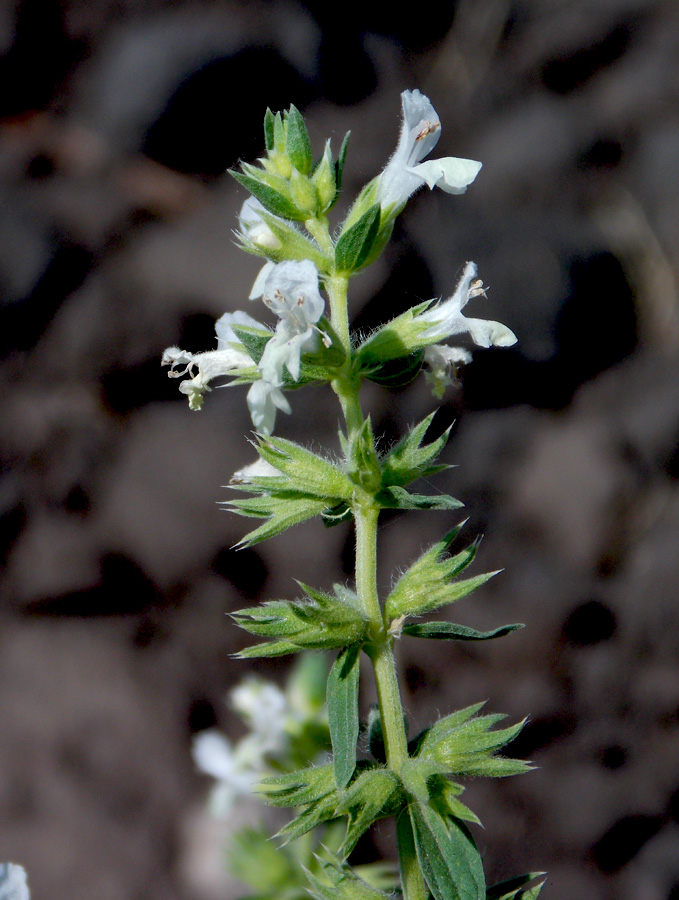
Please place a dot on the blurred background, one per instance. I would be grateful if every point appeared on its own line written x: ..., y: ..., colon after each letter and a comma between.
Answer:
x: 118, y: 122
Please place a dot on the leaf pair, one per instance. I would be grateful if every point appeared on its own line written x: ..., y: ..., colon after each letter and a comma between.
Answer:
x: 463, y: 744
x: 374, y: 793
x: 307, y: 486
x: 321, y: 622
x: 428, y: 583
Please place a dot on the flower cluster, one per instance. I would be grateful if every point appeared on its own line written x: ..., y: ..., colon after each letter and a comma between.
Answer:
x: 290, y: 290
x: 289, y: 190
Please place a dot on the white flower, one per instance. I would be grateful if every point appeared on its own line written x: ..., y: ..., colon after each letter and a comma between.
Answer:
x: 446, y: 317
x: 237, y: 767
x: 235, y: 773
x: 442, y: 363
x: 253, y: 228
x: 13, y: 882
x: 290, y: 290
x: 405, y: 172
x: 265, y: 708
x: 264, y: 399
x: 202, y: 368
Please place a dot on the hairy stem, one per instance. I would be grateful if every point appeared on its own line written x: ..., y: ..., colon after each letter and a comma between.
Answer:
x: 366, y: 513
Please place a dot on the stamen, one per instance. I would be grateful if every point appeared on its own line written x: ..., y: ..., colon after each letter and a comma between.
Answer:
x: 428, y: 128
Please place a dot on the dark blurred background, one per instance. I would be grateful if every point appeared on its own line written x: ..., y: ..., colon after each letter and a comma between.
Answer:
x: 118, y: 122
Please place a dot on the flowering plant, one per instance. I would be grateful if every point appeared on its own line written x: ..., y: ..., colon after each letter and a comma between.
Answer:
x: 417, y: 780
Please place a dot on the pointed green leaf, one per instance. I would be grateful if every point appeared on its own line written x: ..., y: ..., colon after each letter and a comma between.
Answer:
x: 355, y: 243
x: 410, y: 458
x: 315, y: 814
x: 270, y: 198
x: 286, y: 513
x: 298, y: 144
x: 341, y: 159
x: 253, y: 339
x: 448, y: 857
x: 396, y: 497
x: 342, y: 698
x: 449, y: 631
x: 298, y: 788
x: 268, y: 130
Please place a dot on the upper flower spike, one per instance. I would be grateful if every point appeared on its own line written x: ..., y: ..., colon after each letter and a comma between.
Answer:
x: 405, y: 172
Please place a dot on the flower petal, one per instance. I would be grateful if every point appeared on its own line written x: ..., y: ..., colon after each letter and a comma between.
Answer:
x: 451, y: 174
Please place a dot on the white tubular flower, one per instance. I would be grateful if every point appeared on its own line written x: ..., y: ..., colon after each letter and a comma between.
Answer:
x: 405, y: 172
x: 202, y: 368
x: 290, y: 290
x: 264, y: 399
x: 446, y: 317
x: 442, y: 363
x: 253, y: 228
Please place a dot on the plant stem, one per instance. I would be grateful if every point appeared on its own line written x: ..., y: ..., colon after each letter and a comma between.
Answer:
x: 380, y: 651
x: 386, y: 681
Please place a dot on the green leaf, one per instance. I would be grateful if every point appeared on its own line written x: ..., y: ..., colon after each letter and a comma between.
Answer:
x: 341, y: 159
x: 268, y: 130
x: 411, y: 458
x: 428, y: 584
x: 298, y: 788
x: 283, y: 512
x: 463, y: 744
x: 396, y: 497
x: 270, y: 198
x: 355, y: 243
x: 298, y: 144
x: 448, y: 631
x: 448, y: 857
x: 514, y: 888
x: 342, y: 697
x: 253, y: 339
